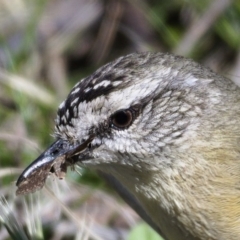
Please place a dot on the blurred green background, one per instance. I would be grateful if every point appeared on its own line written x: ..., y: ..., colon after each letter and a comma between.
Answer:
x: 45, y: 48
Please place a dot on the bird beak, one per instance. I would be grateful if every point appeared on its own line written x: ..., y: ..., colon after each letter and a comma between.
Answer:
x: 55, y: 159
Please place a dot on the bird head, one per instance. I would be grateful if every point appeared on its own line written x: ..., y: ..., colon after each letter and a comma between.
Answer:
x: 137, y: 105
x: 129, y: 111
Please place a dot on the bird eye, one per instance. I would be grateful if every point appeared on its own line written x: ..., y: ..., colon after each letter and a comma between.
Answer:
x: 122, y: 119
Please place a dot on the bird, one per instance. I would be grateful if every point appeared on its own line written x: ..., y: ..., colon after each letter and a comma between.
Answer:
x: 164, y: 131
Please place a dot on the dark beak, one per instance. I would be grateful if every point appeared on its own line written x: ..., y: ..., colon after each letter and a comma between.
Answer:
x: 55, y: 159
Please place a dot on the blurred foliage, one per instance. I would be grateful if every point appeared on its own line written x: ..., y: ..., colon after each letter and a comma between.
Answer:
x: 143, y: 232
x: 47, y: 46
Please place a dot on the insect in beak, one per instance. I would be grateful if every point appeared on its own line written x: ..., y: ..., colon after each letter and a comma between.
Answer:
x: 55, y: 159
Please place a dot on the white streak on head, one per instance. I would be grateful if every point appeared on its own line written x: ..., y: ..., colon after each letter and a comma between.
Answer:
x: 116, y: 83
x: 75, y: 111
x: 104, y: 83
x: 191, y: 80
x: 74, y: 101
x: 75, y: 90
x: 87, y: 89
x: 67, y: 113
x: 62, y: 105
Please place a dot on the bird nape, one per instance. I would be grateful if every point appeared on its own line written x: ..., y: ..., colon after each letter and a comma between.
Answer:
x: 164, y: 131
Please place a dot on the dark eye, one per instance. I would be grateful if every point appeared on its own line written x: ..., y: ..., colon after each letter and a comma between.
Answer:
x: 122, y: 119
